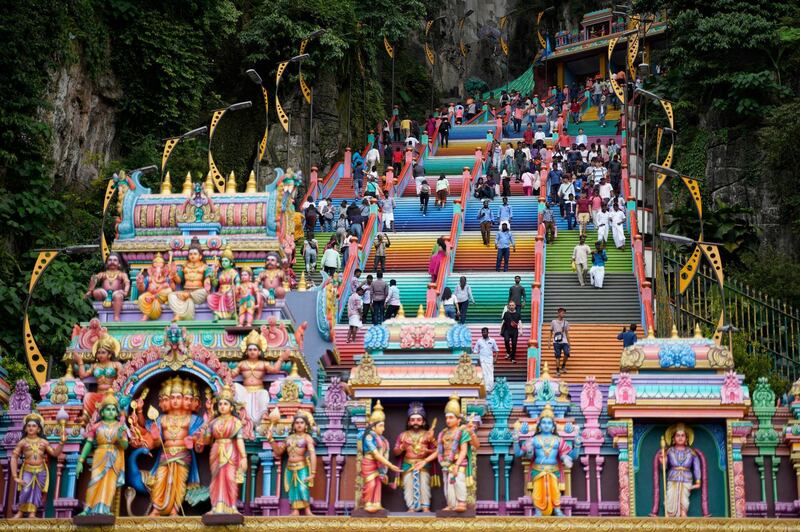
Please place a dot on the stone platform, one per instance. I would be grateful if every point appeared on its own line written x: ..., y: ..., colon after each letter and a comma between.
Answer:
x: 400, y: 524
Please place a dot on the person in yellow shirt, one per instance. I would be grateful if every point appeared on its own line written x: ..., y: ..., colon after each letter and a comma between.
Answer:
x: 405, y: 128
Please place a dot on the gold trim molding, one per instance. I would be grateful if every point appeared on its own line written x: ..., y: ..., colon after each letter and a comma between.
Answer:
x: 414, y: 524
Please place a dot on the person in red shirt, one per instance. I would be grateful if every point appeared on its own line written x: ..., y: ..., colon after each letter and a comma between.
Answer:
x: 584, y: 212
x: 575, y: 110
x: 527, y: 136
x: 397, y: 161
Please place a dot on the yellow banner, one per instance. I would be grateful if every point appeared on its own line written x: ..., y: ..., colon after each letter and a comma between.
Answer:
x: 389, y: 47
x: 542, y: 42
x: 689, y: 270
x: 462, y: 48
x: 633, y: 49
x: 670, y: 115
x: 429, y: 55
x: 168, y: 147
x: 263, y: 146
x: 36, y: 362
x: 504, y: 46
x: 428, y: 26
x: 305, y: 89
x: 106, y: 201
x: 216, y: 176
x: 283, y: 118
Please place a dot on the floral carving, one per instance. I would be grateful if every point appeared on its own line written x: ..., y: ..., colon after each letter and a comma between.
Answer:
x: 376, y: 338
x: 417, y: 336
x: 335, y: 396
x: 459, y: 337
x: 720, y: 357
x: 624, y: 491
x: 365, y: 374
x: 625, y: 393
x: 87, y: 336
x: 21, y: 400
x: 676, y: 355
x: 731, y: 392
x: 632, y: 358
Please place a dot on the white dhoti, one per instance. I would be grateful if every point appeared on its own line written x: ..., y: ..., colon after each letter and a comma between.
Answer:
x: 619, y: 235
x: 185, y: 309
x: 487, y: 367
x: 602, y: 232
x: 417, y: 489
x: 597, y: 274
x: 255, y: 400
x: 676, y: 503
x: 455, y: 493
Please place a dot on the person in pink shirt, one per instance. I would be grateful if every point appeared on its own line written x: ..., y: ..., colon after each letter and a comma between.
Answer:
x: 430, y: 126
x: 459, y: 113
x: 437, y: 259
x: 597, y: 204
x: 519, y: 112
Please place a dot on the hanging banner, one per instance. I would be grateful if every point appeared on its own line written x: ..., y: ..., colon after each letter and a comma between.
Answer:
x: 216, y: 176
x: 633, y: 49
x: 283, y: 118
x: 110, y: 188
x: 428, y: 26
x: 615, y: 86
x: 539, y: 35
x: 262, y: 147
x: 169, y: 145
x: 429, y: 55
x: 36, y: 361
x: 689, y: 270
x: 305, y: 89
x: 389, y: 47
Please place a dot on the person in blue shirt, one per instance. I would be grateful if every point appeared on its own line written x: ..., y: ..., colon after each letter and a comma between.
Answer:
x: 628, y: 336
x: 506, y: 214
x: 504, y: 242
x: 597, y: 272
x: 554, y: 178
x: 358, y: 178
x: 486, y: 219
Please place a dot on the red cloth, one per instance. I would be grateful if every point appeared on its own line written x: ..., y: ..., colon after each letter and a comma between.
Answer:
x: 584, y: 205
x: 397, y: 156
x: 528, y: 136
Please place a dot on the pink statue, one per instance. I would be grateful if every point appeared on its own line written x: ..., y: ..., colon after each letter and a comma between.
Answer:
x: 246, y: 297
x: 114, y: 285
x: 225, y: 281
x: 272, y: 281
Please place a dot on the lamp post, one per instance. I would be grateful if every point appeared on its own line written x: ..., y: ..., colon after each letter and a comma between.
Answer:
x: 39, y: 368
x: 711, y: 251
x: 170, y: 143
x: 286, y: 121
x: 262, y: 145
x: 462, y: 48
x: 430, y: 52
x: 308, y: 92
x: 219, y: 180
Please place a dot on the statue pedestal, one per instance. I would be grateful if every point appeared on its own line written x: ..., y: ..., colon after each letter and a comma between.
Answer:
x: 222, y: 519
x: 468, y: 513
x: 94, y: 520
x: 361, y: 512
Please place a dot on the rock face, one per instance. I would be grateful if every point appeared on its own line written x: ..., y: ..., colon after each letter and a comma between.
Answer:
x: 82, y: 115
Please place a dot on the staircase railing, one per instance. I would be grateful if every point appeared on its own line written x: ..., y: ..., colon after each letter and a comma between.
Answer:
x: 359, y: 258
x: 763, y: 320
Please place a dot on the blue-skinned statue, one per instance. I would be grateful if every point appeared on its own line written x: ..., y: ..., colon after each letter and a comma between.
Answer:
x: 549, y: 454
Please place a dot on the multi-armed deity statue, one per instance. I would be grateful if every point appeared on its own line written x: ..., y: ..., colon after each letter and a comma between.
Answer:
x: 224, y: 280
x: 456, y: 451
x: 104, y: 370
x: 549, y: 455
x: 111, y: 286
x: 417, y: 446
x: 155, y: 284
x: 252, y: 368
x: 192, y: 276
x: 301, y: 462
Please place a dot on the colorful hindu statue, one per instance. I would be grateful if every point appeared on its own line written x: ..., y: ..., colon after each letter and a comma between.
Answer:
x: 456, y: 445
x: 174, y: 477
x: 192, y: 277
x: 108, y: 437
x: 301, y: 462
x: 104, y: 370
x: 224, y: 280
x: 417, y: 446
x: 228, y: 457
x: 251, y: 391
x: 374, y: 461
x: 271, y: 281
x: 111, y: 286
x: 33, y: 478
x: 681, y: 467
x: 154, y: 285
x: 549, y: 454
x: 246, y: 297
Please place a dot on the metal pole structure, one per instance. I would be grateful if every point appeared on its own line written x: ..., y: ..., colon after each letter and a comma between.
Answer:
x: 262, y: 145
x: 392, y: 107
x: 295, y: 59
x: 303, y: 46
x: 431, y: 54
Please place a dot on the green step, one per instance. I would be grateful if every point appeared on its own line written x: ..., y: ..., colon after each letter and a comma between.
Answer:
x: 300, y: 261
x: 559, y: 253
x: 592, y: 128
x: 413, y: 291
x: 491, y: 293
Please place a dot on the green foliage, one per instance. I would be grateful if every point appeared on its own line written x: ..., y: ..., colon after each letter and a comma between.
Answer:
x: 753, y: 361
x: 770, y: 272
x: 729, y: 225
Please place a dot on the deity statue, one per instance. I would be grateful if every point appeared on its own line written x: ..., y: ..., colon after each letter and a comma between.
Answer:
x: 114, y: 285
x: 288, y: 274
x: 252, y: 369
x: 228, y: 457
x: 301, y: 464
x: 681, y: 468
x: 456, y: 446
x: 246, y: 297
x: 104, y: 370
x: 224, y: 279
x: 549, y: 454
x: 374, y: 461
x: 33, y: 477
x: 417, y: 445
x: 271, y: 281
x: 155, y: 284
x: 192, y: 278
x: 109, y: 439
x: 174, y: 477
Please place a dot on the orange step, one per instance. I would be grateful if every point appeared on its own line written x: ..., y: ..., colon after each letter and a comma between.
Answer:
x: 472, y: 255
x: 594, y: 350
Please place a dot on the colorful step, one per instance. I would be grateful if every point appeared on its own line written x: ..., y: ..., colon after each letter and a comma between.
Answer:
x: 472, y: 255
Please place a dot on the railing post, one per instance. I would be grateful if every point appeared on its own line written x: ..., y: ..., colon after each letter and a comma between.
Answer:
x: 348, y: 163
x: 313, y: 183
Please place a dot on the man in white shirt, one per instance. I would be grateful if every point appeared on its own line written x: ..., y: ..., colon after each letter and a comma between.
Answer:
x: 486, y: 349
x: 606, y: 190
x: 392, y: 300
x: 373, y: 157
x: 411, y: 142
x: 603, y: 220
x: 581, y: 138
x: 618, y: 219
x: 539, y: 135
x: 580, y: 256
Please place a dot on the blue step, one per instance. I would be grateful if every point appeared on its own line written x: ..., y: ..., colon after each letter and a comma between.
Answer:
x: 407, y: 216
x: 525, y: 212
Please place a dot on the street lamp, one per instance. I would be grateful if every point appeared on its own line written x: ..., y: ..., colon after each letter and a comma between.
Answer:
x: 711, y: 251
x: 38, y: 366
x: 544, y: 50
x: 219, y: 180
x: 286, y: 120
x: 170, y: 143
x: 262, y: 145
x: 309, y: 93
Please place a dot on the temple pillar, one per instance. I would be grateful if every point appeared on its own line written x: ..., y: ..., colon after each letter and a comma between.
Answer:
x: 622, y: 432
x: 737, y: 435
